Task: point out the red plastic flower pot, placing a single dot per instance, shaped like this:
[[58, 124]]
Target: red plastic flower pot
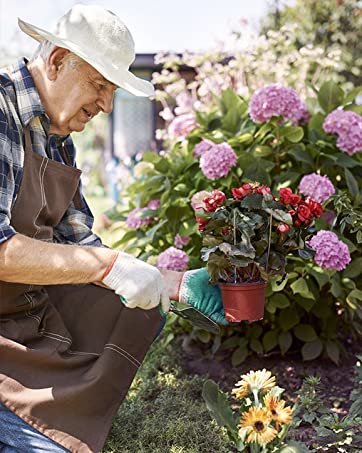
[[243, 301]]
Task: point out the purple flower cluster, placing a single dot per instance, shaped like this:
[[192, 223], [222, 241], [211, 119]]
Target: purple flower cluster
[[276, 100], [348, 126], [182, 125], [181, 241], [135, 218], [173, 259], [202, 147], [315, 186], [331, 253], [218, 161]]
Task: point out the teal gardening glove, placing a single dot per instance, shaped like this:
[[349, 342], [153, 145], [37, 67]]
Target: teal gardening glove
[[196, 291]]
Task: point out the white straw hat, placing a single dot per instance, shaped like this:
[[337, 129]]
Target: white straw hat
[[100, 38]]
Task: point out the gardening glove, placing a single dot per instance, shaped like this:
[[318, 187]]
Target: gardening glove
[[137, 283], [196, 291]]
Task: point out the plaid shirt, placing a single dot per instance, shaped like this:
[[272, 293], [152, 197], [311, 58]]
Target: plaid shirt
[[17, 86]]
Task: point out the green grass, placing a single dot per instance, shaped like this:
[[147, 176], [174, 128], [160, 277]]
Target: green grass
[[164, 411]]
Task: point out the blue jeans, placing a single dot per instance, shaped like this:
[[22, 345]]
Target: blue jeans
[[16, 436]]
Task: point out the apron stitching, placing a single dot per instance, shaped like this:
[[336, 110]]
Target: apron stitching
[[60, 337], [123, 350], [29, 314], [42, 191], [53, 338], [81, 352], [124, 355]]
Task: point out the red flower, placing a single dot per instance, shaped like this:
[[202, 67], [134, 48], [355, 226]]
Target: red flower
[[315, 207], [201, 221], [304, 213], [263, 190], [243, 191], [215, 201], [283, 228], [288, 197]]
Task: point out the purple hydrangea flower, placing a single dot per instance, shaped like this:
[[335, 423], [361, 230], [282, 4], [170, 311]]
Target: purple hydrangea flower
[[348, 126], [173, 259], [331, 253], [202, 147], [154, 204], [276, 100], [182, 125], [317, 187], [181, 241], [134, 219], [218, 161]]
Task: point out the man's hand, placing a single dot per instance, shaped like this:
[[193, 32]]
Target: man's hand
[[140, 284], [195, 290]]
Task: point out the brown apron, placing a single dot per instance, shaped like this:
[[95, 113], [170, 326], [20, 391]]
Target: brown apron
[[68, 353]]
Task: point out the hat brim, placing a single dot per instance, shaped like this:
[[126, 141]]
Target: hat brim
[[120, 77]]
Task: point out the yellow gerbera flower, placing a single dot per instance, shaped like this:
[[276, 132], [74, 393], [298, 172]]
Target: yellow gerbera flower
[[254, 380], [255, 425], [279, 413]]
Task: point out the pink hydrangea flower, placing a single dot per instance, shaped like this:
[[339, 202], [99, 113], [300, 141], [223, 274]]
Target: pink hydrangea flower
[[331, 253], [134, 219], [181, 241], [315, 186], [154, 204], [218, 161], [276, 100], [197, 199], [202, 147], [173, 259], [182, 125], [348, 126]]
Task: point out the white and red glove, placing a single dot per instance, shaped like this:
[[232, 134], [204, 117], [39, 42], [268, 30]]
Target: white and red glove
[[140, 284]]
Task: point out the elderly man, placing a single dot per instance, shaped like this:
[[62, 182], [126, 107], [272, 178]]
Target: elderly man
[[76, 318]]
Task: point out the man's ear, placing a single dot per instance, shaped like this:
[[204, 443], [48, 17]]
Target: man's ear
[[54, 62]]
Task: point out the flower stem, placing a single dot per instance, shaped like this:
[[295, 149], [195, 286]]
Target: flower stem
[[269, 242], [235, 244]]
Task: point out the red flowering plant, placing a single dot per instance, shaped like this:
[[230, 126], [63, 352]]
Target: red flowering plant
[[246, 238]]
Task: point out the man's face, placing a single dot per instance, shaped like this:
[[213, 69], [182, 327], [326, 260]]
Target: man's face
[[76, 95]]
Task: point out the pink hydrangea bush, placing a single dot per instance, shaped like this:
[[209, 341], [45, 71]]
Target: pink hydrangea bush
[[276, 100], [331, 253], [347, 125], [173, 259], [181, 126], [217, 162], [318, 187]]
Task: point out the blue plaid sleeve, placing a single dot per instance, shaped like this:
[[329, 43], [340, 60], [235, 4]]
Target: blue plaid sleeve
[[76, 226], [7, 183]]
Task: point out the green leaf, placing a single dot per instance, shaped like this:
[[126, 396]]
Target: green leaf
[[293, 134], [270, 340], [256, 346], [351, 96], [330, 96], [293, 447], [280, 301], [239, 356], [285, 341], [352, 184], [218, 405], [354, 269], [333, 351], [305, 332], [312, 349], [288, 318], [300, 286], [280, 215], [300, 155]]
